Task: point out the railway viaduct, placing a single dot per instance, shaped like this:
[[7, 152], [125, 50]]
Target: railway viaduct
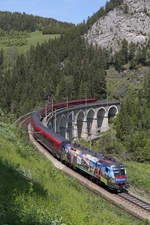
[[83, 121]]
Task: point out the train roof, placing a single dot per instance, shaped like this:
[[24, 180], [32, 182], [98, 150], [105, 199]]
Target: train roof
[[99, 158], [55, 137], [58, 139]]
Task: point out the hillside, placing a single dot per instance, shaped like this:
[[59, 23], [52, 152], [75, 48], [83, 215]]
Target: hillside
[[33, 191], [59, 68], [120, 84], [25, 22], [17, 42], [20, 31], [129, 21]]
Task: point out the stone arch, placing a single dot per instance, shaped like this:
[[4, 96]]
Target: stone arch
[[112, 112], [100, 118], [70, 126], [62, 125], [90, 118], [79, 120]]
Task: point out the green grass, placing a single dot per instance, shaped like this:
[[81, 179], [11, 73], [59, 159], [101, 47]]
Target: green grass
[[139, 177], [30, 39], [33, 191], [37, 37], [118, 84]]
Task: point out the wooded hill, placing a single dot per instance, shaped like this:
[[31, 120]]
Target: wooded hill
[[59, 68], [24, 22]]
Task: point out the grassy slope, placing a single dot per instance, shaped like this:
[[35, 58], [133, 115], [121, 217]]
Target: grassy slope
[[33, 39], [139, 177], [127, 81], [37, 37], [32, 191]]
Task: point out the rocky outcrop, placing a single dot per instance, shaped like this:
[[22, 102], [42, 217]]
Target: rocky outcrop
[[130, 21]]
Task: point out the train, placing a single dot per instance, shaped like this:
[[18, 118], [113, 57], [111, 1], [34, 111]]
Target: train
[[108, 172]]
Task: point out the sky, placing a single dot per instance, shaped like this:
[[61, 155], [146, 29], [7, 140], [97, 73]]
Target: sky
[[74, 11]]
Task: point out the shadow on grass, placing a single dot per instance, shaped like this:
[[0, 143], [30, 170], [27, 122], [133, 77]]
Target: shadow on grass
[[12, 185]]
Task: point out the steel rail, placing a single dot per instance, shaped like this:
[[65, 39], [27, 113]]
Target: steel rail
[[136, 200]]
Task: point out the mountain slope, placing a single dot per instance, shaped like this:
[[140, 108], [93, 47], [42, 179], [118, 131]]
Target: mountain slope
[[25, 22], [33, 191], [129, 21]]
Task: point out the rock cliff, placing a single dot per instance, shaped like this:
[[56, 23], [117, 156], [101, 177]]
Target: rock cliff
[[130, 21]]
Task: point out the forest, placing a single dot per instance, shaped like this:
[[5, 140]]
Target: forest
[[60, 68], [24, 22]]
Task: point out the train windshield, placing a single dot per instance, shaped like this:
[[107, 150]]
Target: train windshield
[[119, 172]]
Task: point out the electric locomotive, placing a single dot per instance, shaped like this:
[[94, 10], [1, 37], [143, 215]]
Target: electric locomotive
[[108, 172]]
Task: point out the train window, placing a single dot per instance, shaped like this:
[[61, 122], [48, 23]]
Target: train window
[[119, 172], [107, 169]]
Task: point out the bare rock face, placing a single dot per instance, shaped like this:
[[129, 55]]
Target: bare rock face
[[130, 21]]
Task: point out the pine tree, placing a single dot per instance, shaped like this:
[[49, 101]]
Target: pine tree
[[1, 57], [124, 52], [132, 50]]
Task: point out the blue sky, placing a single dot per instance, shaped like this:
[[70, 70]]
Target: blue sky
[[74, 11]]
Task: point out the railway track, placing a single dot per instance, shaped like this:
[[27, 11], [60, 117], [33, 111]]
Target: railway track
[[23, 122], [136, 200], [134, 205]]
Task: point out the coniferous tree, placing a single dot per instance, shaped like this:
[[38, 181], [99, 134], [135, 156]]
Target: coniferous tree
[[124, 51], [1, 57], [132, 51]]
